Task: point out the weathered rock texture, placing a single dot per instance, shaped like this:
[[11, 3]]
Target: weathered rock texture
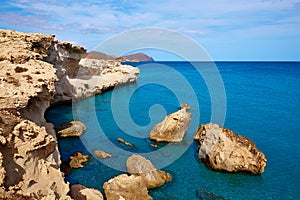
[[96, 76], [76, 160], [80, 192], [124, 187], [172, 128], [223, 150], [102, 154], [140, 166], [30, 167], [71, 129]]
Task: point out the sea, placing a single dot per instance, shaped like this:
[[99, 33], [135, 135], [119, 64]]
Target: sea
[[259, 100]]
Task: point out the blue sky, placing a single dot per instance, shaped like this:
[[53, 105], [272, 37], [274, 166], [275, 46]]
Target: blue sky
[[227, 29]]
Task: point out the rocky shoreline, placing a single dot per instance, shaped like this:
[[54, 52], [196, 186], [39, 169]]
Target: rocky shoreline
[[36, 72]]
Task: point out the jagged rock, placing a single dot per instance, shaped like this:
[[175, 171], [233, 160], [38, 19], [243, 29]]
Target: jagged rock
[[101, 154], [172, 128], [76, 160], [124, 187], [124, 142], [223, 150], [80, 192], [186, 106], [140, 166], [96, 76], [71, 129], [205, 195]]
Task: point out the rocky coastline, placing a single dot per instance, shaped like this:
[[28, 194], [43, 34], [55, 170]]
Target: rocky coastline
[[36, 71]]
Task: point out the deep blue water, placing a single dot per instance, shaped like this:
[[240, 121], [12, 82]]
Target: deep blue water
[[262, 103]]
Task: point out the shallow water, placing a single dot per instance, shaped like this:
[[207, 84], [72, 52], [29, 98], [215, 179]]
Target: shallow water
[[262, 103]]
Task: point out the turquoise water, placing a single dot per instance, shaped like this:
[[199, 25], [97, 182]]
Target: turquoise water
[[262, 103]]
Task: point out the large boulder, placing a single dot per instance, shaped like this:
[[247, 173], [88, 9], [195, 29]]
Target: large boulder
[[124, 187], [80, 192], [140, 166], [172, 128], [223, 150], [71, 129]]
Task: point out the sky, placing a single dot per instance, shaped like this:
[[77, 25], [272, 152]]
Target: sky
[[228, 30]]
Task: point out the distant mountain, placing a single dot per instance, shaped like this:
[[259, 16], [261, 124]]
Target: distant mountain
[[98, 55], [136, 57]]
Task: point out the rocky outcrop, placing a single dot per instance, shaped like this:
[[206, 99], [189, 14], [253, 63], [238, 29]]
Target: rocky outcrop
[[172, 128], [80, 192], [71, 129], [28, 144], [76, 160], [124, 187], [140, 166], [223, 150], [101, 154], [96, 76]]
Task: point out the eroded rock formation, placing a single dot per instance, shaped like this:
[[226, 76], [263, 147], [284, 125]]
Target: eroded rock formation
[[140, 166], [124, 187], [80, 192], [76, 160], [71, 129], [172, 128], [96, 76], [102, 154], [223, 150]]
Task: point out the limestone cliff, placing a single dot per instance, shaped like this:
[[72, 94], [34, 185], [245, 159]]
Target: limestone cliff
[[31, 161]]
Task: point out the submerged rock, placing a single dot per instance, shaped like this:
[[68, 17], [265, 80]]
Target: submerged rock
[[71, 129], [80, 192], [101, 154], [124, 142], [223, 150], [205, 195], [172, 128], [124, 187], [140, 166], [76, 160]]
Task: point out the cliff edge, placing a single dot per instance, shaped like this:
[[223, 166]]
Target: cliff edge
[[37, 71]]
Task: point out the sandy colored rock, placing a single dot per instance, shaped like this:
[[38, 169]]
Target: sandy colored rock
[[223, 150], [101, 154], [172, 128], [140, 166], [71, 129], [96, 76], [76, 160], [124, 142], [80, 192], [124, 187]]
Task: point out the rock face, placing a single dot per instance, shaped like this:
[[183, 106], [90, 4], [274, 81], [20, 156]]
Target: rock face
[[36, 70], [28, 146], [140, 166], [124, 187], [77, 159], [172, 128], [71, 129], [80, 192], [96, 76], [223, 150]]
